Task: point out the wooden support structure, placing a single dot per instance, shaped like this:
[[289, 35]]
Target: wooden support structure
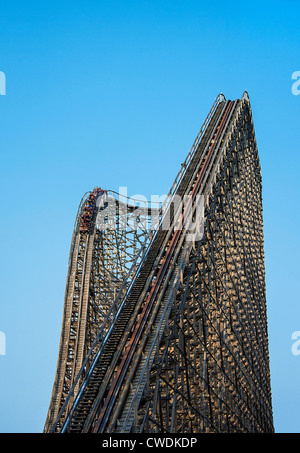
[[161, 332]]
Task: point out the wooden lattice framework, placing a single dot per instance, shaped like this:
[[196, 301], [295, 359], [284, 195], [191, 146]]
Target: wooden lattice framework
[[177, 326]]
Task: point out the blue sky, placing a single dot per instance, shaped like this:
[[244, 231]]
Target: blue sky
[[113, 94]]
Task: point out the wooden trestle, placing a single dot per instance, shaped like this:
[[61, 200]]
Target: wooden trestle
[[163, 333]]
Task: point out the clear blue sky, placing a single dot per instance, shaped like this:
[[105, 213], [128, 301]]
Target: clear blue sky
[[113, 93]]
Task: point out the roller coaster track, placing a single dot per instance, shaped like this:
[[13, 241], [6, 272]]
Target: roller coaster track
[[123, 360]]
